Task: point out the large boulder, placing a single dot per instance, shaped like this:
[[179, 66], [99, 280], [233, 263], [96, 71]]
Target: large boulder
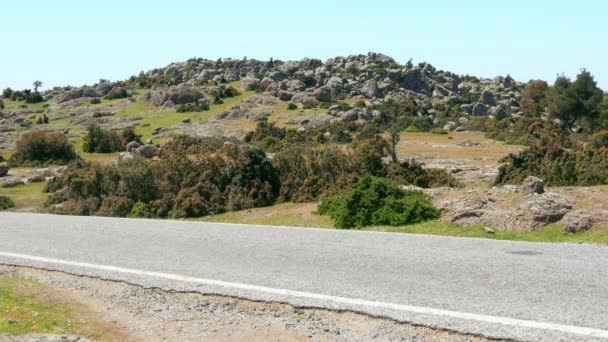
[[250, 83], [305, 99], [370, 89], [132, 146], [11, 182], [534, 212], [532, 185], [146, 151], [323, 94], [479, 109], [4, 170], [582, 220]]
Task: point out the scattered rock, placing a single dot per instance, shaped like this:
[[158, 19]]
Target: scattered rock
[[581, 220], [532, 185], [488, 230], [11, 182], [132, 146], [186, 120], [146, 151], [469, 143]]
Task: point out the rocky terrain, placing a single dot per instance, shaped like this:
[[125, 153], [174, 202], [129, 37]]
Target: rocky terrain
[[322, 91]]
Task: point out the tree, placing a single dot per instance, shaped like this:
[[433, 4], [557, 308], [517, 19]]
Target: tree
[[534, 97], [575, 102], [393, 121], [37, 84]]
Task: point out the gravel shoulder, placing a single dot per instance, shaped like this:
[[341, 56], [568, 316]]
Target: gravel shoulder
[[136, 313]]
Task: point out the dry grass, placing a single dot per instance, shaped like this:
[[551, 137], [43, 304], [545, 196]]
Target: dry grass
[[445, 147], [27, 307]]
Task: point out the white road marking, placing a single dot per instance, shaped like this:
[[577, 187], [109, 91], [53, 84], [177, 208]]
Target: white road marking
[[591, 332]]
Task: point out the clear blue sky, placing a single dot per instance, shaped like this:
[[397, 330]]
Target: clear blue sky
[[77, 42]]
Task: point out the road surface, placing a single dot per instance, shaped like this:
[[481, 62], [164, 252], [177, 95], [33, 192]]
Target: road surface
[[502, 289]]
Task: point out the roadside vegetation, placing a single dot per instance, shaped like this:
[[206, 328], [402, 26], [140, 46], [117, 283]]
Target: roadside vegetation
[[27, 307]]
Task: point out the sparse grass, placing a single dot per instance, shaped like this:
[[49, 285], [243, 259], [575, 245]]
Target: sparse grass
[[28, 197], [284, 214], [27, 307], [445, 146]]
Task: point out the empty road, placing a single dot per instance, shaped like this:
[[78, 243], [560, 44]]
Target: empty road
[[502, 289]]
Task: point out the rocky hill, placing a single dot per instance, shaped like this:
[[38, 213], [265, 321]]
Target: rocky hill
[[322, 91]]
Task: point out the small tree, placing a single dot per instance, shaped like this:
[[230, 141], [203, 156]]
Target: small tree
[[37, 84], [574, 102]]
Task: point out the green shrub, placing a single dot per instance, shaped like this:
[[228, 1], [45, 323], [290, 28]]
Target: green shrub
[[6, 203], [40, 148], [438, 130], [412, 129], [377, 201], [100, 140], [117, 92], [292, 106], [410, 172]]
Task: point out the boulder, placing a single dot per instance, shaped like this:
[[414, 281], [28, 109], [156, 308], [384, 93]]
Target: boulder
[[284, 95], [305, 100], [11, 182], [4, 169], [479, 109], [323, 94], [250, 83], [132, 146], [532, 185], [487, 98], [582, 220], [146, 151], [186, 120], [370, 89]]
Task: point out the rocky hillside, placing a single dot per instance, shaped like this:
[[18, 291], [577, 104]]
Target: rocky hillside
[[322, 91]]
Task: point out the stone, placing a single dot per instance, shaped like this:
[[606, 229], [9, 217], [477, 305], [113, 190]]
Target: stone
[[186, 120], [581, 220], [4, 169], [125, 156], [370, 89], [487, 98], [468, 143], [488, 230], [532, 185], [132, 146], [323, 94], [479, 109], [250, 83], [36, 179], [284, 95], [11, 182], [146, 151]]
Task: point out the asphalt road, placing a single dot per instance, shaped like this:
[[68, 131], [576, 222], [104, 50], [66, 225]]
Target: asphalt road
[[502, 289]]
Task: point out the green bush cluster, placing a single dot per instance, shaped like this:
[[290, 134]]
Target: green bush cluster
[[377, 201], [232, 177], [101, 140], [6, 203], [40, 148]]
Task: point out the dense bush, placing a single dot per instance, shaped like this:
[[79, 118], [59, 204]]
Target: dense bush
[[377, 201], [117, 92], [39, 147], [559, 162], [101, 140], [230, 177], [413, 173], [6, 203]]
